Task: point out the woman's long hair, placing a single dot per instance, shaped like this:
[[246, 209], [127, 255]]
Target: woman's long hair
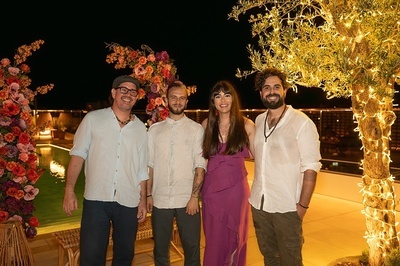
[[237, 136]]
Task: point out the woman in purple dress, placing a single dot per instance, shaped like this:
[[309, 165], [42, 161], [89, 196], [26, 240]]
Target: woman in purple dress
[[228, 141]]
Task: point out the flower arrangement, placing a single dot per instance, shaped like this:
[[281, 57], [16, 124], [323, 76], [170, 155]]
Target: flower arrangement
[[18, 167], [154, 70]]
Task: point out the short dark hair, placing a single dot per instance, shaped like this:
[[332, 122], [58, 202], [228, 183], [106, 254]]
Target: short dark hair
[[269, 72]]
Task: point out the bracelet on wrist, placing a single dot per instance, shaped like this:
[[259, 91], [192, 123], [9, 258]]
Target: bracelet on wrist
[[196, 197], [303, 206], [148, 196]]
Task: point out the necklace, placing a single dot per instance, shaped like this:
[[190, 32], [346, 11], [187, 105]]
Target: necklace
[[273, 129], [223, 131], [124, 122]]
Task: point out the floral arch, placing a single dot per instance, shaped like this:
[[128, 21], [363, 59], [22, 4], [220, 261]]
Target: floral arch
[[154, 70]]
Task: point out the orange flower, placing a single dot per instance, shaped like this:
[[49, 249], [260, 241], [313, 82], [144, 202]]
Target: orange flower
[[9, 137], [154, 70], [18, 169], [142, 60]]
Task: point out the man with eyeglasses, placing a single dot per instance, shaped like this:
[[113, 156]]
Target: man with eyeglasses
[[287, 160], [112, 142], [125, 90]]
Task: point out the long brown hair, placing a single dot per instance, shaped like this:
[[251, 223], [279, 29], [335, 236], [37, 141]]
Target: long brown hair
[[237, 136]]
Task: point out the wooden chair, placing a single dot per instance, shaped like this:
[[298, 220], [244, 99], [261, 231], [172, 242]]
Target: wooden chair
[[68, 240], [14, 247]]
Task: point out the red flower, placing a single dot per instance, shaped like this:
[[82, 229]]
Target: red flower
[[11, 107], [16, 131], [12, 80], [33, 176], [24, 138], [34, 222], [18, 169], [3, 216]]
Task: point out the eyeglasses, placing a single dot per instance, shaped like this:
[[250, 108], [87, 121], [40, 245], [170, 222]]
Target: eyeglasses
[[125, 90]]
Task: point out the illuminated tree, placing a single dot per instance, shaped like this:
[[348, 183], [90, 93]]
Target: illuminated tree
[[349, 48]]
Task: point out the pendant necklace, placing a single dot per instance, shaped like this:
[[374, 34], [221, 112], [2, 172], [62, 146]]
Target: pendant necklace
[[223, 131], [124, 123], [265, 124]]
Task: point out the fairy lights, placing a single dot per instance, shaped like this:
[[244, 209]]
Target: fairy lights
[[349, 49]]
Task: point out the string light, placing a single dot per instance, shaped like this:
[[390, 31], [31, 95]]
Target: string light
[[349, 49]]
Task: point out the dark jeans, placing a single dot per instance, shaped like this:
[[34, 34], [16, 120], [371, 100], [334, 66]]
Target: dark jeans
[[97, 218], [279, 237], [189, 232]]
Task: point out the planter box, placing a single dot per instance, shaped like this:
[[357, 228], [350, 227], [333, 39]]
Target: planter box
[[57, 134]]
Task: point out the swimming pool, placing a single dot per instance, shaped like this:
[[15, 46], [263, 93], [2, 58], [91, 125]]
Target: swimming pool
[[51, 184]]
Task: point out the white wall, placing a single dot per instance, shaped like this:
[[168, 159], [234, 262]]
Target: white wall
[[345, 187], [336, 185]]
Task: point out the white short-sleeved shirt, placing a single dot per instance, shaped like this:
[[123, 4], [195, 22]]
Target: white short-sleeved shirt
[[280, 161], [116, 158], [175, 151]]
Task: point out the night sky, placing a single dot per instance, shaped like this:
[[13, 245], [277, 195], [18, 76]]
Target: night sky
[[205, 45]]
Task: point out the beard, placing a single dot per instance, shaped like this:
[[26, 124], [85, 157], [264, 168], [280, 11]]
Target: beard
[[176, 111], [273, 105]]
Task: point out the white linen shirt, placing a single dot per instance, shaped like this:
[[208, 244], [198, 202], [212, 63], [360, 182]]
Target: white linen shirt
[[175, 151], [280, 161], [116, 158]]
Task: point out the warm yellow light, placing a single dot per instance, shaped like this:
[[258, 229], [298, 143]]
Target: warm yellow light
[[352, 53]]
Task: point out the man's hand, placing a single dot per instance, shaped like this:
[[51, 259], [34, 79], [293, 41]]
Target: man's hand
[[149, 204], [142, 211], [70, 202], [192, 206]]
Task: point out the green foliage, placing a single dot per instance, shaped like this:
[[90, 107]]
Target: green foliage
[[393, 259], [364, 258], [330, 44]]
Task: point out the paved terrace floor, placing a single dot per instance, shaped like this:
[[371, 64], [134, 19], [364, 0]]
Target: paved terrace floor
[[333, 228]]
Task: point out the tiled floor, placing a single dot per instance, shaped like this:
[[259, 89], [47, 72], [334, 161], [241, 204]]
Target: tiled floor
[[333, 228]]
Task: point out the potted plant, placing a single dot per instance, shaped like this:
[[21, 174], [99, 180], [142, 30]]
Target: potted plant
[[60, 128]]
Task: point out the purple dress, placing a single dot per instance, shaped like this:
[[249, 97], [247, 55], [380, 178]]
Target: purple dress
[[225, 209]]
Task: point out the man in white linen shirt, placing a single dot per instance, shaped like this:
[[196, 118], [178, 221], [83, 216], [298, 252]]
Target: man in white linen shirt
[[287, 160], [113, 144], [176, 174]]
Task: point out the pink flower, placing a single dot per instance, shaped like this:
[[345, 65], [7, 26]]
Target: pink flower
[[18, 169], [140, 70], [151, 58], [20, 179], [5, 62], [23, 157], [16, 218], [155, 71], [30, 192], [154, 87], [13, 70], [159, 101]]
